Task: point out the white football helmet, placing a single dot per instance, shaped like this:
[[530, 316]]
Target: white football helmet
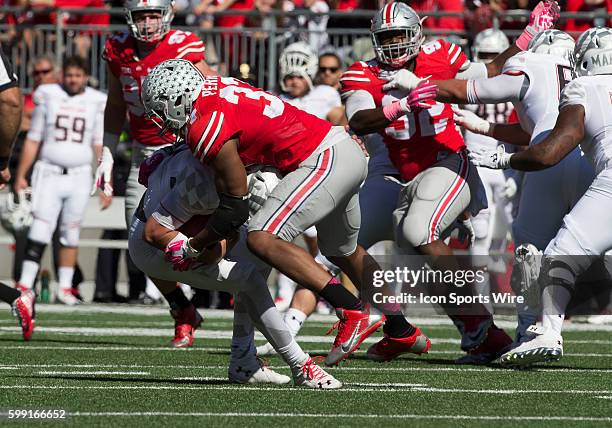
[[298, 59], [594, 52], [16, 212], [397, 18], [553, 42], [261, 183], [168, 93], [165, 7], [489, 41]]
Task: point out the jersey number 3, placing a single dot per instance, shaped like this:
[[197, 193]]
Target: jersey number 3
[[273, 106]]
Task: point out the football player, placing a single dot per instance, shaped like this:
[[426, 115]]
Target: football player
[[130, 55], [526, 81], [65, 132], [585, 113], [181, 196], [22, 306], [229, 124], [384, 96], [10, 111]]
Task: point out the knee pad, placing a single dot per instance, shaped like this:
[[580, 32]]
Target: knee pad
[[34, 251], [69, 234], [556, 271], [41, 231]]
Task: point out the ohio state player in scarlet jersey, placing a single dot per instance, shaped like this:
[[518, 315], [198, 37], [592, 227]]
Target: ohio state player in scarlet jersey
[[229, 125], [390, 95], [130, 55]]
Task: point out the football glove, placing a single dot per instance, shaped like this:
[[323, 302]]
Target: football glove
[[471, 121], [494, 159], [104, 173], [543, 17]]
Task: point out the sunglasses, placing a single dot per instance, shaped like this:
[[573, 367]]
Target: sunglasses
[[330, 69], [43, 71]]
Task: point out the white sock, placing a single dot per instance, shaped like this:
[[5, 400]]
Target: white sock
[[286, 287], [152, 291], [554, 301], [65, 274], [294, 318], [292, 354], [29, 270]]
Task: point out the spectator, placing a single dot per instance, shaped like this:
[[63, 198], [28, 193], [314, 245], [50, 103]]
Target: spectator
[[577, 26], [442, 22], [330, 70], [316, 36]]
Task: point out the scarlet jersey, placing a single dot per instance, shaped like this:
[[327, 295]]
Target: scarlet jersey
[[120, 53], [271, 132], [415, 139]]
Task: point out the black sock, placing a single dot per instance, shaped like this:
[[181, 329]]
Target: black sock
[[8, 294], [339, 297], [397, 326], [177, 299]]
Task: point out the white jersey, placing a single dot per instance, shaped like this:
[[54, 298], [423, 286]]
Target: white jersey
[[180, 188], [319, 101], [539, 106], [68, 126], [533, 83], [493, 113], [594, 93]]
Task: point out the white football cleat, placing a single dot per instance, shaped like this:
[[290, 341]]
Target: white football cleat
[[67, 297], [254, 371], [310, 375], [545, 347], [265, 350]]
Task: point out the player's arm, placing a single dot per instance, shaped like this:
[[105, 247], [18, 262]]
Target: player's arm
[[508, 133], [365, 118], [502, 88], [233, 210], [336, 116], [565, 137], [10, 112]]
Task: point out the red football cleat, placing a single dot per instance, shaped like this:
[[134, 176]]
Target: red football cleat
[[186, 321], [495, 344], [23, 309], [389, 348], [353, 328]]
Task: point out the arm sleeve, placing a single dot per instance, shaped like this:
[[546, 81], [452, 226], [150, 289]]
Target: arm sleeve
[[472, 70], [496, 89], [573, 94], [356, 101], [37, 125]]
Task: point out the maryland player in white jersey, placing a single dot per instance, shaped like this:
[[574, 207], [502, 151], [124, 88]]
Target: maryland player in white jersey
[[129, 56], [532, 81], [585, 119], [181, 196], [66, 130]]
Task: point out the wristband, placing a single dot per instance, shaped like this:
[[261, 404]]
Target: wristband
[[393, 111]]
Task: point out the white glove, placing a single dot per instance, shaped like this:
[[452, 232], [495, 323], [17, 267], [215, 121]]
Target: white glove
[[471, 121], [494, 159], [510, 188], [104, 173], [402, 79]]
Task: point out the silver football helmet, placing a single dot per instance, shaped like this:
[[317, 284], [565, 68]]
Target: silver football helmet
[[168, 93], [489, 41], [396, 18], [16, 211], [298, 59], [144, 34], [553, 42], [594, 52]]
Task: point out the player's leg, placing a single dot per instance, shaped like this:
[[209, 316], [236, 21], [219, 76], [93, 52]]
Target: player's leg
[[22, 305], [427, 207], [77, 189], [46, 207], [583, 238]]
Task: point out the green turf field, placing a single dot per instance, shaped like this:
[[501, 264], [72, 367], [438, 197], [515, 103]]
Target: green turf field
[[116, 369]]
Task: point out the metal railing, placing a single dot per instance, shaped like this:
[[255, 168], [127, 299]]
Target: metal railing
[[226, 47]]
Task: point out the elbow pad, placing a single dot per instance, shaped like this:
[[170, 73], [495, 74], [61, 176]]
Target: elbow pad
[[232, 212]]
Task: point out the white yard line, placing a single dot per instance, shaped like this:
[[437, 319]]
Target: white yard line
[[344, 368], [347, 416], [91, 373]]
